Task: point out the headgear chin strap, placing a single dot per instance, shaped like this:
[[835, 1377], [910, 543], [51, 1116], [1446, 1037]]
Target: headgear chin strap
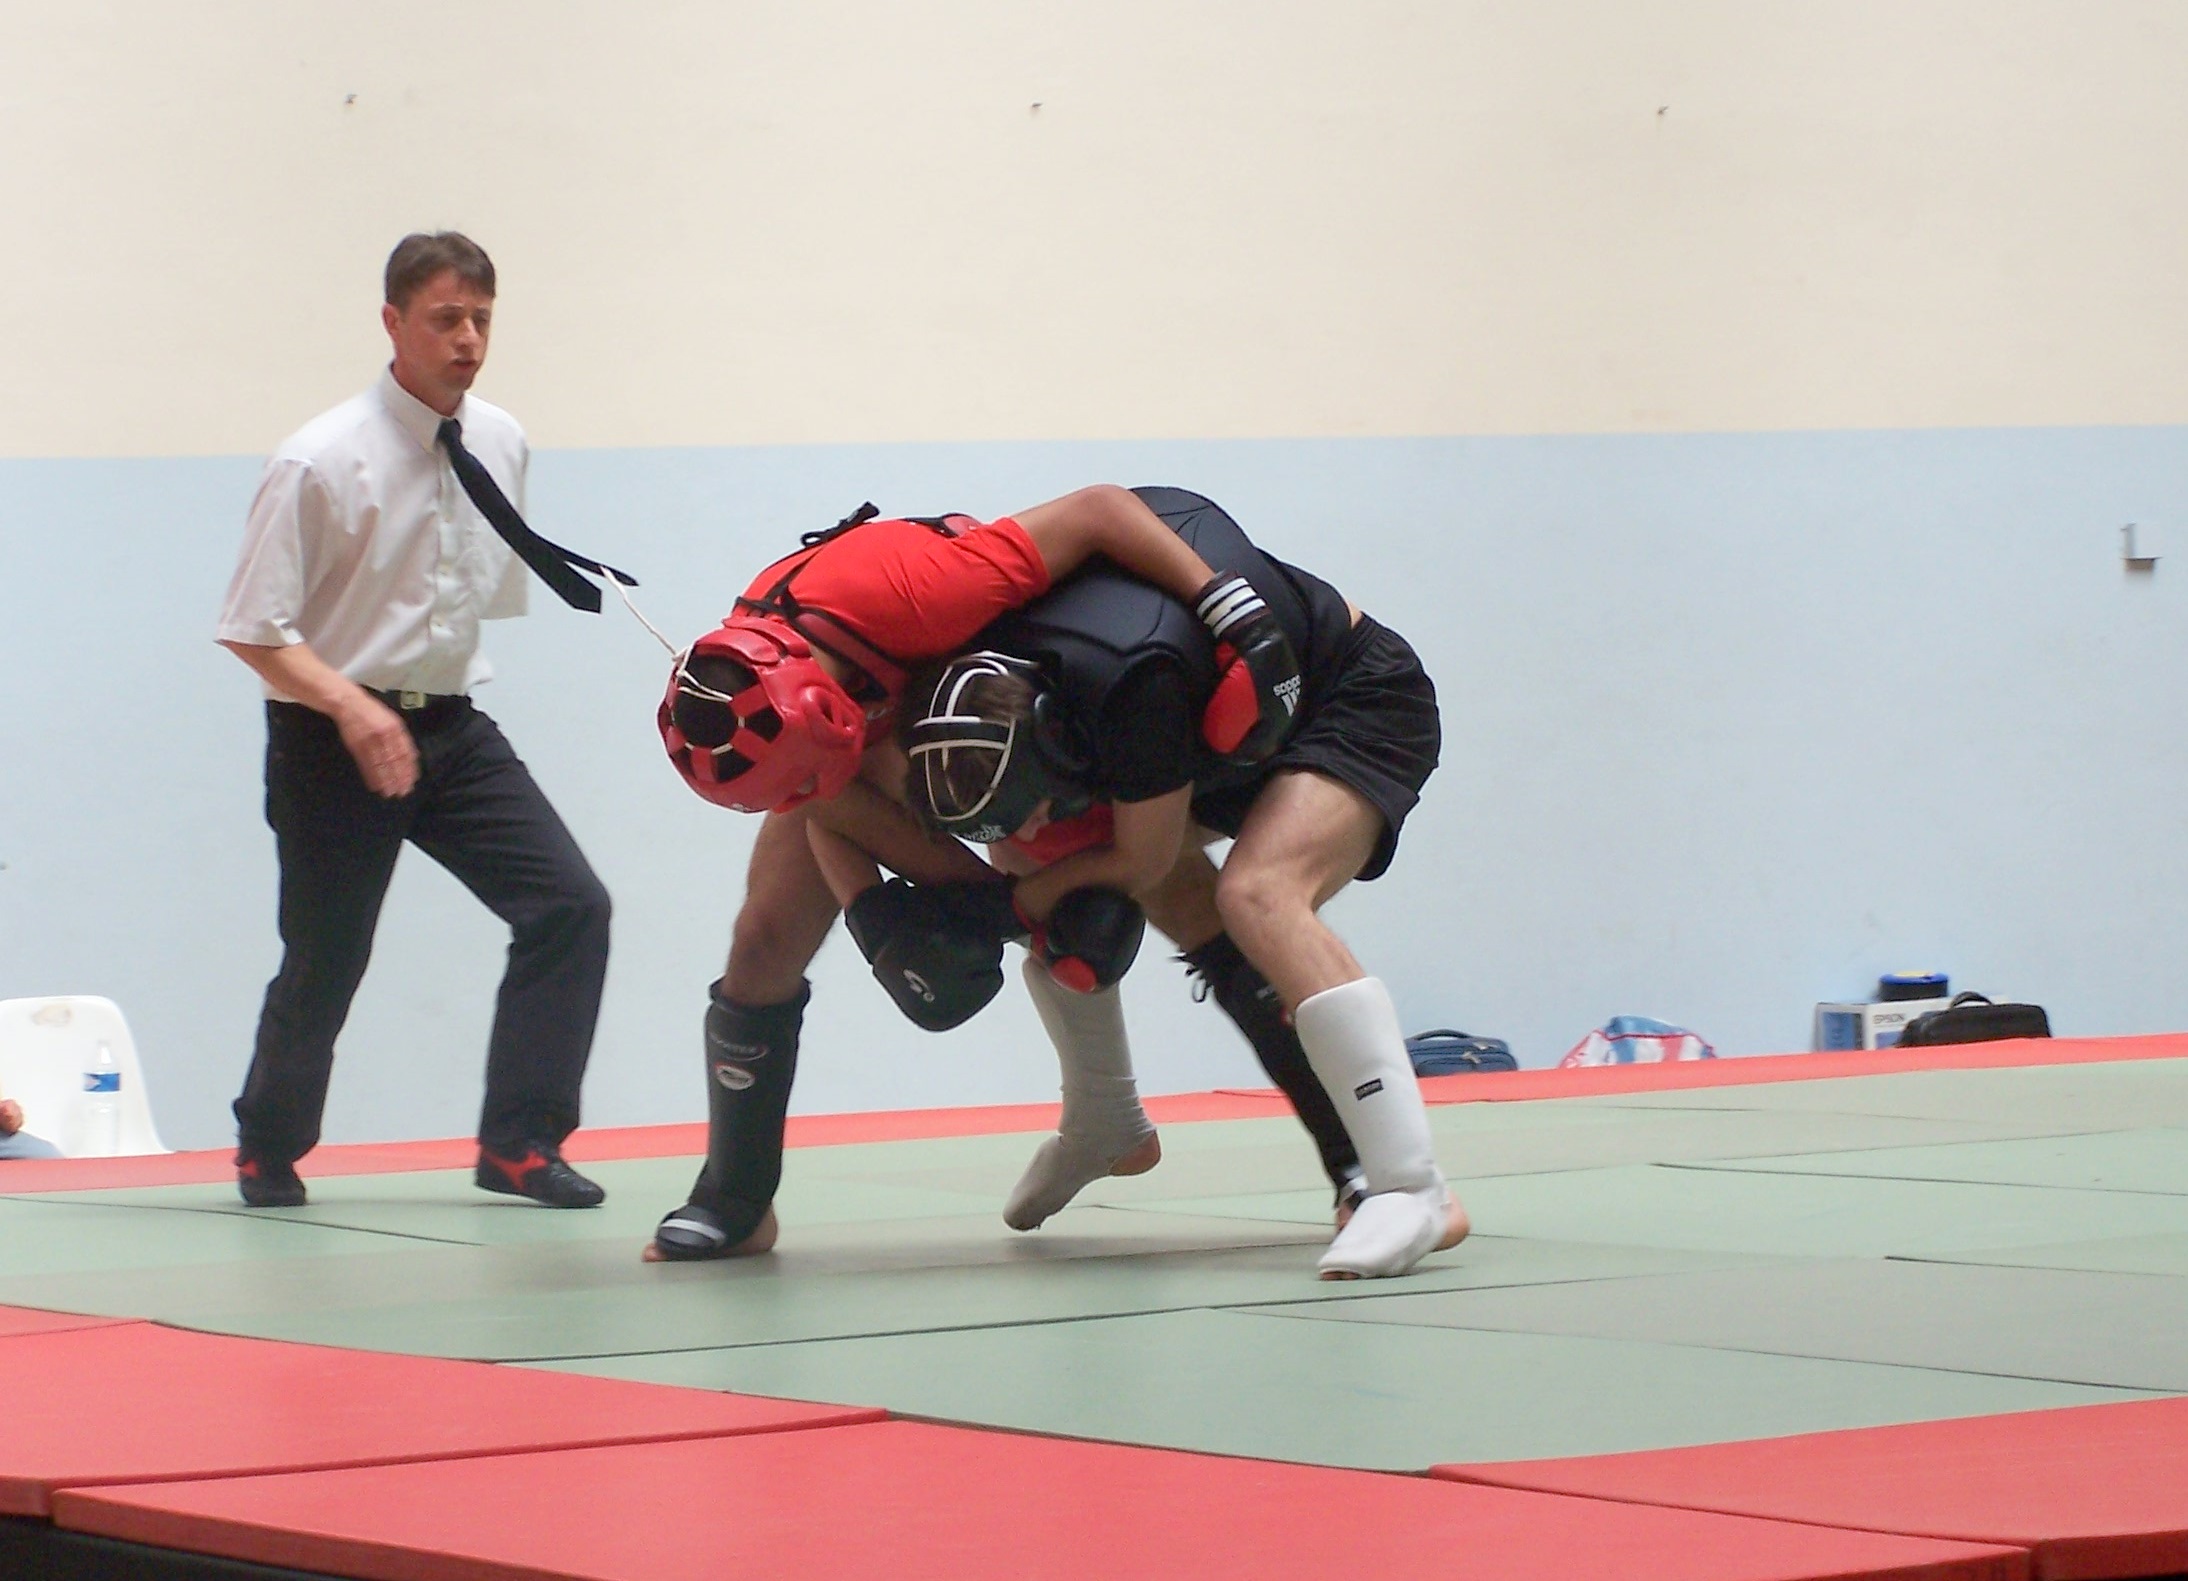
[[794, 732], [1021, 761]]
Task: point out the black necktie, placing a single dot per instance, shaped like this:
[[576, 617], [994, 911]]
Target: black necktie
[[550, 560]]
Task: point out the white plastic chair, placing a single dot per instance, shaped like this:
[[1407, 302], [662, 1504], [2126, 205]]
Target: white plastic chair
[[46, 1045]]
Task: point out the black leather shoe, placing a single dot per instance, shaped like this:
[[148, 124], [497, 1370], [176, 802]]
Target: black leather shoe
[[264, 1185], [539, 1173]]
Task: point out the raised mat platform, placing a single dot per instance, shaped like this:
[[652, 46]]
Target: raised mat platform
[[1679, 1274]]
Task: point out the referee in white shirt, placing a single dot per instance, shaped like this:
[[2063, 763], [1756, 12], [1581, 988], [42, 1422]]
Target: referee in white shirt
[[365, 572]]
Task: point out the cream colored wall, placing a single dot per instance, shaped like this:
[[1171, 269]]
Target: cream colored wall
[[734, 223]]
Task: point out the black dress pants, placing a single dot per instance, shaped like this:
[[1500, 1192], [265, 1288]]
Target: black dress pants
[[476, 811]]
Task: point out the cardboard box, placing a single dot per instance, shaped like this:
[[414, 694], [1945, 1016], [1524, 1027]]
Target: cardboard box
[[1868, 1026]]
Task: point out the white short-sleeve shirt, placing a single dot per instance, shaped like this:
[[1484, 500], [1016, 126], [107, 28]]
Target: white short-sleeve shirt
[[362, 543]]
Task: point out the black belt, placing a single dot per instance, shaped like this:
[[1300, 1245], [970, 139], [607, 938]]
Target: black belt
[[423, 707]]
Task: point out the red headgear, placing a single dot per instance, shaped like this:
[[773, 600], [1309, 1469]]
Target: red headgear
[[819, 731]]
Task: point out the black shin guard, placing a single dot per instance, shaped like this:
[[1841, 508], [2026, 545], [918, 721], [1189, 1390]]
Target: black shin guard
[[1251, 1002], [752, 1059]]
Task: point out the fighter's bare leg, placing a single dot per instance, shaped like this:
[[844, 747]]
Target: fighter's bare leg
[[785, 918], [1305, 838], [1183, 907], [752, 1043]]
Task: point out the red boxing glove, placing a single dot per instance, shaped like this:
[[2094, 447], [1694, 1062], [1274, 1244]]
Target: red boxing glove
[[1246, 629], [1234, 708]]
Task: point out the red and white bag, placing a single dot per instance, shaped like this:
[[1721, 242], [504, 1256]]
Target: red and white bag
[[1636, 1040]]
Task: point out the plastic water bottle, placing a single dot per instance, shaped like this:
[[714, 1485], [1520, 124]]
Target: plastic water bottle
[[102, 1103]]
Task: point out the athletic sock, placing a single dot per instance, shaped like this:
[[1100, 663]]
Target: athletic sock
[[1102, 1119]]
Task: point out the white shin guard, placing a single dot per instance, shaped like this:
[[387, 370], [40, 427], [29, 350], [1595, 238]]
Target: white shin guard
[[1353, 1041], [1102, 1119]]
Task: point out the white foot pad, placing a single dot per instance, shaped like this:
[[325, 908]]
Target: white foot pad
[[1391, 1231]]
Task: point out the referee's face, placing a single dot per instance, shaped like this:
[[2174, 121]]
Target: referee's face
[[439, 337]]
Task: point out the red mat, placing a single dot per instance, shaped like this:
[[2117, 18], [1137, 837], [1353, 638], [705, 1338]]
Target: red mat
[[908, 1501], [2093, 1490], [26, 1176], [137, 1402], [30, 1320]]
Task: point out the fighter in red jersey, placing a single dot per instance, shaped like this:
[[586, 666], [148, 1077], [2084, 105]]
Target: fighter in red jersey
[[783, 702]]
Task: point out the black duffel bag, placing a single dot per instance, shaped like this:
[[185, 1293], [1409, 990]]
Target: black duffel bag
[[1971, 1018]]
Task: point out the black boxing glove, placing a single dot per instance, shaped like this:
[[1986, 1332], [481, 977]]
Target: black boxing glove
[[982, 908], [976, 909], [939, 970], [1259, 661], [1090, 939]]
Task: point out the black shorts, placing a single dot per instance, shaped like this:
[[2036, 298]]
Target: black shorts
[[1373, 727]]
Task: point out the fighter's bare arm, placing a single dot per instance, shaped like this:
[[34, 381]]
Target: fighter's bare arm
[[1149, 838], [858, 833], [1108, 520]]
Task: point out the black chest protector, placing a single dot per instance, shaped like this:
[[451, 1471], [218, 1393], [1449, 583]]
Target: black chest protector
[[1099, 626]]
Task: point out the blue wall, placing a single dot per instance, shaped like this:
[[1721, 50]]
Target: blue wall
[[1733, 722]]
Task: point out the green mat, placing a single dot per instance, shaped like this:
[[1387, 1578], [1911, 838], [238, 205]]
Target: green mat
[[2148, 1161], [1807, 1215], [2122, 1329], [2043, 1099], [1344, 1394], [1612, 1136]]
